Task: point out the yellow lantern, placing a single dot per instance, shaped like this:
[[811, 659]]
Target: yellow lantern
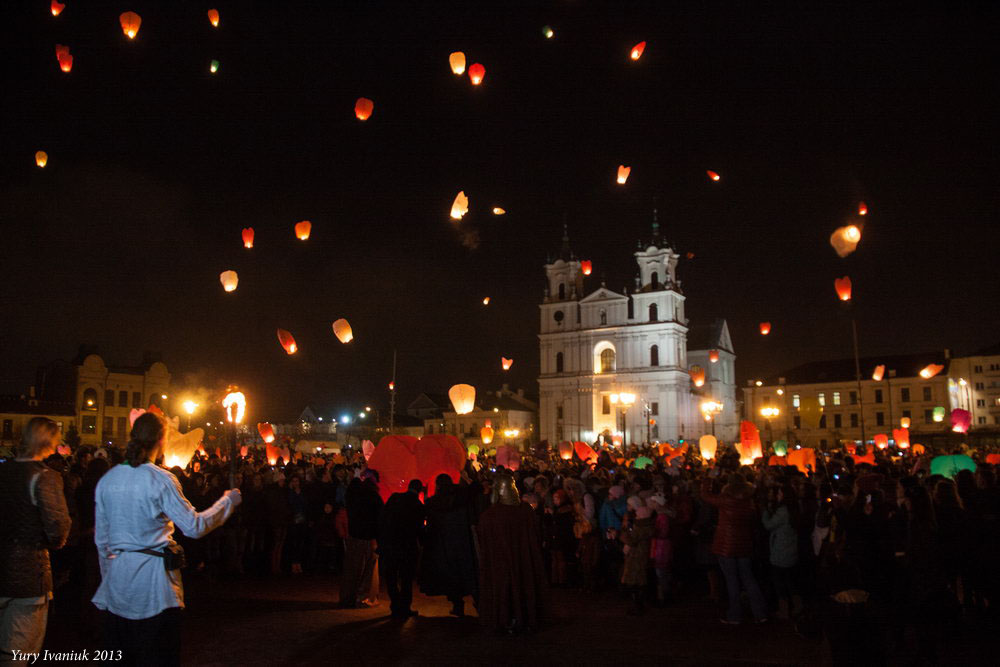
[[229, 280], [130, 24], [463, 398], [460, 206], [342, 330], [498, 211], [457, 62], [41, 159], [303, 230], [905, 422], [623, 173], [708, 446], [845, 239], [178, 448]]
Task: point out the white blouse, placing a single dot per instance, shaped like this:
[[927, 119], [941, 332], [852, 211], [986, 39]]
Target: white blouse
[[137, 509]]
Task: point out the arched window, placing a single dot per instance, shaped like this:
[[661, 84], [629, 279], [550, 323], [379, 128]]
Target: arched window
[[89, 400], [604, 317], [653, 313], [654, 355], [559, 362], [654, 280], [562, 291], [608, 361]]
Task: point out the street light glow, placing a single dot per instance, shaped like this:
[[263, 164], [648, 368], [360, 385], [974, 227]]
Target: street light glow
[[189, 406]]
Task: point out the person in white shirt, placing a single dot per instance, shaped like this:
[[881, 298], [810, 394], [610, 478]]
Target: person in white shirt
[[138, 504]]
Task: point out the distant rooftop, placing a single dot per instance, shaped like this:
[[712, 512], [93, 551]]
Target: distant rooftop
[[843, 370]]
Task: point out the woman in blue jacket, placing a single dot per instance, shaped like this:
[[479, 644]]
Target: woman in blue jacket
[[780, 518]]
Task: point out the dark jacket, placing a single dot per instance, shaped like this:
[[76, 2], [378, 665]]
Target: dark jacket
[[30, 529], [737, 520], [401, 526], [363, 508], [448, 566]]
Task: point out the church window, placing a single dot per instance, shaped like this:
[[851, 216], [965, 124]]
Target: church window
[[558, 316], [559, 412], [604, 317], [654, 280], [654, 408], [605, 405], [608, 361], [89, 400], [559, 362], [654, 355], [653, 312], [562, 291]]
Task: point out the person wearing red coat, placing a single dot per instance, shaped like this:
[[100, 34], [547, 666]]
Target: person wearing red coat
[[733, 544]]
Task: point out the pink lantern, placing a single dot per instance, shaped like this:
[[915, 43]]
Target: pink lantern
[[961, 420], [585, 452], [508, 457], [368, 448]]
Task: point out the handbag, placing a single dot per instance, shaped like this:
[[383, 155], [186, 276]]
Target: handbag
[[172, 555]]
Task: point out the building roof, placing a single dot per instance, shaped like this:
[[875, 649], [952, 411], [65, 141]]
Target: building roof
[[23, 405], [708, 336], [843, 370]]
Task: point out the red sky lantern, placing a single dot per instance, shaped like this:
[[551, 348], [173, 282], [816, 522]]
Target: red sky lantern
[[248, 237], [713, 356], [130, 24], [878, 373], [862, 208], [476, 73], [587, 267], [41, 159], [930, 370], [843, 287], [698, 375], [623, 173], [363, 108], [961, 420], [881, 440], [902, 437], [506, 363], [765, 328], [266, 431], [57, 7], [637, 50], [714, 176], [287, 341], [303, 230], [213, 17], [64, 57]]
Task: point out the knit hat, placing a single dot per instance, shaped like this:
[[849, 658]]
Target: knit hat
[[616, 492]]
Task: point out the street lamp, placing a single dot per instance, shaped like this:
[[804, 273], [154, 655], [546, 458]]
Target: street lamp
[[626, 400], [769, 413], [709, 409], [189, 407]]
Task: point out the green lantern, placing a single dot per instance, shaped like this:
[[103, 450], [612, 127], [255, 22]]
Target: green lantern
[[939, 414], [214, 67], [642, 462], [780, 447], [548, 32], [473, 449]]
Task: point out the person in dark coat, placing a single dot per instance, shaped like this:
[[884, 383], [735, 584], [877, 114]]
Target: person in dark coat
[[449, 565], [401, 527], [363, 508], [511, 569]]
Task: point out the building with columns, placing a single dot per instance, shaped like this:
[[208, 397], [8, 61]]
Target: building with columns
[[601, 346]]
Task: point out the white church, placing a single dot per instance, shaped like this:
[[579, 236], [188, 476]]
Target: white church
[[627, 368]]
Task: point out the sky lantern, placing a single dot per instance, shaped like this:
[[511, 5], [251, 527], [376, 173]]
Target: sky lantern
[[179, 449], [229, 280], [548, 32], [486, 434], [565, 450], [130, 24], [698, 375], [623, 173], [587, 267], [878, 373], [457, 62], [343, 331], [486, 300], [506, 363], [843, 288], [714, 176], [881, 440], [213, 17], [463, 398], [476, 73], [713, 356], [248, 237], [905, 422], [41, 159], [303, 230], [57, 7], [64, 57], [460, 206], [498, 211], [765, 328], [707, 444], [845, 239], [938, 414], [287, 341], [363, 108], [930, 370], [862, 208], [750, 437], [213, 66], [266, 432], [961, 420], [637, 50], [902, 437], [780, 447]]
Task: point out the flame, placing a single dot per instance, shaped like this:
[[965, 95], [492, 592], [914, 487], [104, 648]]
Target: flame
[[239, 400]]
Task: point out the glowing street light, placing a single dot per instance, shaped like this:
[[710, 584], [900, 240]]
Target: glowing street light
[[709, 409]]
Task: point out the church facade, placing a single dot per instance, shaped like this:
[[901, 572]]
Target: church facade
[[627, 368]]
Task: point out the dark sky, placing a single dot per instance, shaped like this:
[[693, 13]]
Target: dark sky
[[803, 108]]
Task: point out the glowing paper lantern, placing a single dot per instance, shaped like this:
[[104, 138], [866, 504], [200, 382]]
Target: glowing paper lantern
[[776, 460], [843, 288], [765, 328], [712, 175], [342, 330], [303, 230], [698, 375], [809, 411], [498, 211], [363, 108], [878, 373], [881, 440], [134, 414], [902, 437], [63, 450], [287, 341], [804, 459], [585, 452], [460, 206], [930, 371], [918, 449], [637, 50], [961, 420], [248, 237], [905, 422], [508, 457], [178, 449], [949, 466], [993, 459], [565, 450], [286, 455], [473, 450], [396, 463], [457, 62], [548, 32], [862, 208], [642, 462], [463, 398], [367, 448], [244, 450], [213, 66], [587, 267], [64, 57], [939, 414], [845, 239], [750, 439], [780, 447], [476, 73], [57, 7], [708, 445], [213, 17], [486, 435], [506, 363], [713, 356], [130, 24], [229, 280], [486, 300], [41, 159], [623, 173]]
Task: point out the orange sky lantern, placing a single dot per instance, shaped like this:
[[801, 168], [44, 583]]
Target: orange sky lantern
[[463, 398], [498, 211], [707, 444], [457, 62], [506, 363], [878, 373], [303, 230], [57, 7], [248, 237], [130, 24], [714, 176], [929, 371], [229, 280], [713, 356], [476, 73], [862, 208], [587, 267], [342, 330], [845, 239], [565, 450], [765, 328], [213, 17], [460, 206], [64, 57], [266, 432], [41, 158], [881, 440], [486, 300], [637, 50], [287, 341], [486, 434], [623, 173], [363, 108], [843, 288], [902, 437], [698, 376], [905, 422]]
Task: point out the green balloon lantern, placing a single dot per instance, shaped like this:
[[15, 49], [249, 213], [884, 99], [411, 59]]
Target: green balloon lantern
[[780, 447]]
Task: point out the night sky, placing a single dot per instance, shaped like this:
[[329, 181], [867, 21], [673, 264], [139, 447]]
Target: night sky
[[803, 108]]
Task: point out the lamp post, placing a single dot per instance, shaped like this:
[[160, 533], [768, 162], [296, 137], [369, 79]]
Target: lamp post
[[709, 409], [189, 407], [769, 413], [235, 405], [626, 400]]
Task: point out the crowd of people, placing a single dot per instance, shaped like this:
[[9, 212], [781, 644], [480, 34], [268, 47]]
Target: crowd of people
[[885, 548]]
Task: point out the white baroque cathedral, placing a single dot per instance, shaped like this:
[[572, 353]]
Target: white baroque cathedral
[[598, 347]]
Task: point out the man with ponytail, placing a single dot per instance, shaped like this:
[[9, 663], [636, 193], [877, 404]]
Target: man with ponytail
[[138, 505]]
